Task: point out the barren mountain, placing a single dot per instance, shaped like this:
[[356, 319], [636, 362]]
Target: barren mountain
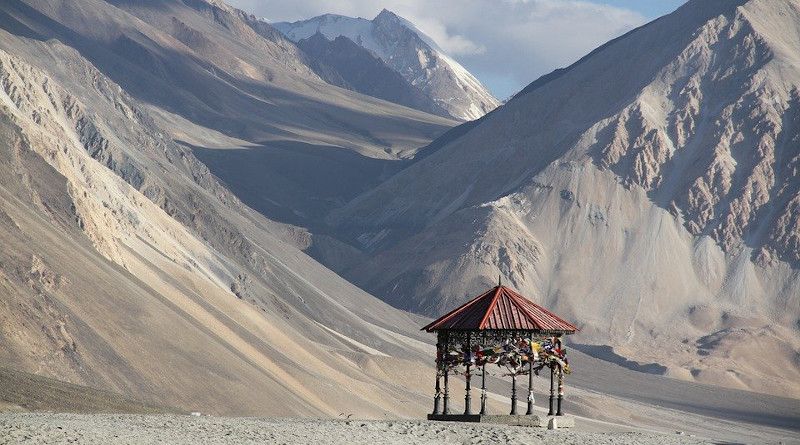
[[240, 95], [650, 191], [408, 51], [363, 72], [127, 266]]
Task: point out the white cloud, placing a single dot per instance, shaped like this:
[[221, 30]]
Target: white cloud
[[452, 44], [505, 43]]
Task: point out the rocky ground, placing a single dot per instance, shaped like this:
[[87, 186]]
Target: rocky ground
[[108, 429]]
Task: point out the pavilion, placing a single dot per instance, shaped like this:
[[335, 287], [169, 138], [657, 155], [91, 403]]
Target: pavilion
[[499, 327]]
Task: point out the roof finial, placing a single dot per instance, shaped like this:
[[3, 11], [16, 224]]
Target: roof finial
[[499, 280]]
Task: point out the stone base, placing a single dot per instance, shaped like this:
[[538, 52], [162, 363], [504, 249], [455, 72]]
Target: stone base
[[560, 421], [516, 420]]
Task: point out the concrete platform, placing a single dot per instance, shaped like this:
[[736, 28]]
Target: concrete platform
[[518, 420]]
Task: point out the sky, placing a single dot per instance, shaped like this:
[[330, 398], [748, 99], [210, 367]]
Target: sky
[[506, 44]]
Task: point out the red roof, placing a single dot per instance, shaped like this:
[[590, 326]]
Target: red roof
[[502, 308]]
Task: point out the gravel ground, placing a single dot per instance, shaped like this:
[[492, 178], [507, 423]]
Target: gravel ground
[[110, 429]]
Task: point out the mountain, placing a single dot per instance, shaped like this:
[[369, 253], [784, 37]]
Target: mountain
[[219, 81], [127, 265], [650, 191], [409, 52], [153, 156], [365, 73]]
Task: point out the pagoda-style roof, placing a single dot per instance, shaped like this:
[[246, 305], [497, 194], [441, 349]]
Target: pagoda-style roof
[[500, 308]]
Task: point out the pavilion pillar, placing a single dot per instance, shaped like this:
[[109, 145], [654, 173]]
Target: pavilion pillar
[[560, 347], [467, 376], [560, 391], [437, 398], [467, 398], [513, 395], [483, 390], [552, 391], [446, 394], [530, 386]]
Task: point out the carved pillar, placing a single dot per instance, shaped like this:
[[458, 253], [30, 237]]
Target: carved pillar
[[483, 390], [467, 355], [446, 394], [445, 348], [513, 395], [559, 347], [437, 398], [560, 391], [530, 386], [467, 398], [552, 391]]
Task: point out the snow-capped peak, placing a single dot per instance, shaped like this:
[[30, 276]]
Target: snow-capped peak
[[410, 52]]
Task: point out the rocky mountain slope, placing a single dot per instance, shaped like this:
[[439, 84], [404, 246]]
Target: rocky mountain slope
[[650, 192], [240, 95], [126, 265], [363, 72], [409, 52]]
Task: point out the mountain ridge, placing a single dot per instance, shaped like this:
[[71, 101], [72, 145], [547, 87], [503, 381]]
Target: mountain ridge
[[367, 74], [409, 52]]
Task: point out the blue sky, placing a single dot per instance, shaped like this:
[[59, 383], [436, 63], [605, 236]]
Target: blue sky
[[506, 44], [650, 9]]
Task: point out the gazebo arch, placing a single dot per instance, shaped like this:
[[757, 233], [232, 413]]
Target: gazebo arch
[[499, 327]]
